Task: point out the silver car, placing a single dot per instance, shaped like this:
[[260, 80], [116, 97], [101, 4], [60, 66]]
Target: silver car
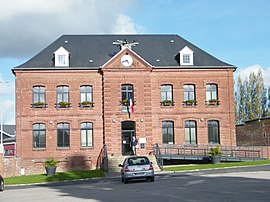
[[1, 183], [137, 167]]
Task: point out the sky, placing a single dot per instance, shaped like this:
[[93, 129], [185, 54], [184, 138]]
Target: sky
[[234, 31]]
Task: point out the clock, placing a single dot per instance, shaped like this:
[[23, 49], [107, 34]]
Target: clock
[[126, 60]]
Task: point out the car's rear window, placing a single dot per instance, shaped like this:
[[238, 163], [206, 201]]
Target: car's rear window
[[138, 161]]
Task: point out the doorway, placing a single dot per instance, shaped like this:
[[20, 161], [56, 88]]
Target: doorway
[[128, 130]]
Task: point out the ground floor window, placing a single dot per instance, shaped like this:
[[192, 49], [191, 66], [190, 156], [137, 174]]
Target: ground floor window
[[213, 132], [39, 135], [191, 132], [63, 135], [86, 134], [167, 132]]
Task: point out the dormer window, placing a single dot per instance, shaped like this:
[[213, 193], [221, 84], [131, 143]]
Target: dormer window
[[61, 57], [186, 56]]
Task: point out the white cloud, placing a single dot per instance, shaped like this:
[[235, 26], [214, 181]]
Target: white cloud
[[244, 73], [30, 25], [124, 24]]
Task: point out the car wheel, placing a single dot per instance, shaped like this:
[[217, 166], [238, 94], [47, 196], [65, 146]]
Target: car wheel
[[152, 179], [1, 185]]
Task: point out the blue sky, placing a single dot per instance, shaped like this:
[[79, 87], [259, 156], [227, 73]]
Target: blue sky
[[235, 31]]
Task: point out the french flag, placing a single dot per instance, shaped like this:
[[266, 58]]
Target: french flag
[[131, 106]]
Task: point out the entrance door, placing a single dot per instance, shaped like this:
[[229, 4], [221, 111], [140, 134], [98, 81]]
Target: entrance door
[[128, 130]]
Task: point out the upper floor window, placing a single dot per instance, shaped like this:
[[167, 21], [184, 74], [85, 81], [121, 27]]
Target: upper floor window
[[189, 94], [191, 132], [86, 99], [63, 135], [166, 95], [167, 132], [38, 96], [186, 56], [212, 94], [61, 57], [86, 134], [213, 132], [39, 135], [127, 93], [62, 96]]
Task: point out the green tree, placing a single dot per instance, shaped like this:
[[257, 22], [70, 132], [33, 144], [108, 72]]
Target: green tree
[[251, 98]]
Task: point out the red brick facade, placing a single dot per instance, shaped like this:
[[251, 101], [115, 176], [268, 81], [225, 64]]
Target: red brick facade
[[254, 133], [107, 115]]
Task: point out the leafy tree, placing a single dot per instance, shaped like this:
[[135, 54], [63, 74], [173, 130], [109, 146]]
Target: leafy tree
[[251, 98]]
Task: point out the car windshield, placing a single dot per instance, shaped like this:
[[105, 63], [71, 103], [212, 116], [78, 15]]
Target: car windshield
[[138, 161]]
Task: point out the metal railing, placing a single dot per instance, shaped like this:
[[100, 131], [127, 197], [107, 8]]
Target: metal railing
[[102, 161], [202, 150], [159, 158]]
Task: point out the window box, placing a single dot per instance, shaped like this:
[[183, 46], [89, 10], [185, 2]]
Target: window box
[[213, 102], [125, 102], [167, 103], [39, 105], [86, 104], [63, 105], [189, 102]]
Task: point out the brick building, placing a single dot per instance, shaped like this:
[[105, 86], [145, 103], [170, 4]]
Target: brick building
[[254, 132], [84, 91]]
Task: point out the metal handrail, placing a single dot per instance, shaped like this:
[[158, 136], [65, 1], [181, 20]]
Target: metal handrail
[[158, 156], [102, 161], [202, 150]]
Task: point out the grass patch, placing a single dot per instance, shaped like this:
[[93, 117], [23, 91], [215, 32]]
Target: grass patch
[[71, 175], [212, 166]]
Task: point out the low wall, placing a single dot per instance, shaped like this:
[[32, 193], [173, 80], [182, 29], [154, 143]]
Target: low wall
[[13, 166]]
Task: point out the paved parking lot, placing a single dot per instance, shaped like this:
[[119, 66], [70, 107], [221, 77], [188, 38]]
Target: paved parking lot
[[241, 184]]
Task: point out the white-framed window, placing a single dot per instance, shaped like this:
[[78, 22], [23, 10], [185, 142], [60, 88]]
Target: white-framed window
[[61, 60], [61, 57], [87, 134], [186, 56]]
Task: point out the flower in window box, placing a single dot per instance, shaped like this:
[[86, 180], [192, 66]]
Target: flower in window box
[[213, 101], [87, 103], [63, 104], [125, 102], [189, 102], [167, 102], [39, 104]]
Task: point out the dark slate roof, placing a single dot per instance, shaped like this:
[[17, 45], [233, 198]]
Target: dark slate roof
[[99, 49]]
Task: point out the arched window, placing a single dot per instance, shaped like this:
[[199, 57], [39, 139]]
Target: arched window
[[39, 98], [213, 132], [166, 95], [39, 135], [63, 134], [87, 134], [189, 94], [127, 93], [86, 96], [191, 132], [211, 92], [167, 132], [62, 98]]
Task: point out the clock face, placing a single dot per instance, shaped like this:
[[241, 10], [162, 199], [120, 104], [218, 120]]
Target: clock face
[[126, 60]]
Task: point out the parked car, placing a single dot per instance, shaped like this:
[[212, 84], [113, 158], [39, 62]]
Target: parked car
[[137, 167], [1, 183]]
